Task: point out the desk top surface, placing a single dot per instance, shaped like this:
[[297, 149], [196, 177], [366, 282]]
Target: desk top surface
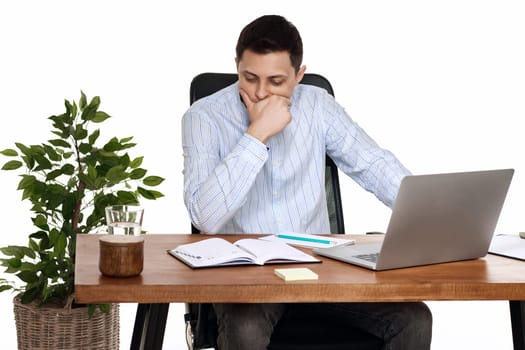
[[166, 279]]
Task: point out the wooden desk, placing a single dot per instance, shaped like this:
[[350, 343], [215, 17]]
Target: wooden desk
[[166, 280]]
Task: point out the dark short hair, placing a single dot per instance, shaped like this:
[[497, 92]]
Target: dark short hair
[[271, 33]]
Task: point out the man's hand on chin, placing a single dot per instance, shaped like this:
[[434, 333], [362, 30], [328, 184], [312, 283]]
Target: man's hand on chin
[[268, 116]]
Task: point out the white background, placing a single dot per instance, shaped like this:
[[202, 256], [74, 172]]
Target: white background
[[440, 83]]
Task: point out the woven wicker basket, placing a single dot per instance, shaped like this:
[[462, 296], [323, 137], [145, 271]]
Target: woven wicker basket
[[57, 328]]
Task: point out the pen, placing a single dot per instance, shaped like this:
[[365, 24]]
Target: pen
[[305, 239]]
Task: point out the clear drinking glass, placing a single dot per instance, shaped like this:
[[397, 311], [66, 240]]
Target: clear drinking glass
[[124, 219]]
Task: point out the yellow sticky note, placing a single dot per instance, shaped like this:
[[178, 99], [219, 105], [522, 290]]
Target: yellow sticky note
[[296, 274]]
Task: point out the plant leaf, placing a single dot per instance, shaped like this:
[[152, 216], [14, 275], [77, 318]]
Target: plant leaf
[[80, 132], [25, 150], [43, 162], [27, 276], [17, 251], [68, 169], [91, 309], [138, 173], [5, 287], [135, 163], [85, 148], [53, 174], [157, 194], [52, 154], [88, 113], [149, 194], [74, 110], [9, 152], [60, 246], [14, 263], [105, 308], [33, 245], [92, 172], [116, 174], [94, 136], [126, 139], [90, 184], [40, 221], [95, 103], [153, 180], [27, 181], [83, 101], [100, 117], [12, 165], [126, 197], [68, 108], [29, 295]]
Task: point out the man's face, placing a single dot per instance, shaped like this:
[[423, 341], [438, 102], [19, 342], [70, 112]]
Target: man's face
[[262, 75]]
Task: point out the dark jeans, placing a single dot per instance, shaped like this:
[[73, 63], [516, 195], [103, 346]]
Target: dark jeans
[[402, 326]]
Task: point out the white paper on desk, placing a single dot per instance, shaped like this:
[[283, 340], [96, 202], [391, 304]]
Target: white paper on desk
[[511, 246], [303, 240]]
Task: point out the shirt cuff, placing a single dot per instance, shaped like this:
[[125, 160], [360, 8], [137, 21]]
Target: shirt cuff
[[256, 150]]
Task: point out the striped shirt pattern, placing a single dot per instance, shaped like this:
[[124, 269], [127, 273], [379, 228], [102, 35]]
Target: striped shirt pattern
[[233, 183]]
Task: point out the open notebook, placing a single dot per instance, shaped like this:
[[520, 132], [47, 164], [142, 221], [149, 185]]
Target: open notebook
[[216, 251]]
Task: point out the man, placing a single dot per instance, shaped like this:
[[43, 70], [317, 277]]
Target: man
[[254, 157]]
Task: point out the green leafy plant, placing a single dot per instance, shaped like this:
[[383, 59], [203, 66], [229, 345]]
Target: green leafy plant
[[69, 180]]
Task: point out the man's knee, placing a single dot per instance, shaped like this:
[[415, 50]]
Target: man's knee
[[418, 325], [421, 317], [246, 326]]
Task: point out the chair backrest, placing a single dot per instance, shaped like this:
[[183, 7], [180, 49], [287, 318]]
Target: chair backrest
[[206, 84]]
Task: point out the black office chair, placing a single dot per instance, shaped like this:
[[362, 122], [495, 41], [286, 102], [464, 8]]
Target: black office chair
[[295, 330]]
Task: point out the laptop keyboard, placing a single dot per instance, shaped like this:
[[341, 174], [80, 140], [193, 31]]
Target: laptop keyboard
[[368, 257]]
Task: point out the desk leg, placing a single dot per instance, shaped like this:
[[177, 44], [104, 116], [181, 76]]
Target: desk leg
[[517, 318], [150, 323]]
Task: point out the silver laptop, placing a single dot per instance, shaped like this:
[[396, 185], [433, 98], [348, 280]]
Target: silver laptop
[[436, 218]]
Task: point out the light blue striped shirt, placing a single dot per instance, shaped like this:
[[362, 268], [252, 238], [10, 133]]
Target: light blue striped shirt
[[233, 183]]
